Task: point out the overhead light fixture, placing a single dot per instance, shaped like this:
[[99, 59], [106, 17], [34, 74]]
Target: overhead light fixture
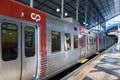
[[66, 14], [84, 23], [58, 10]]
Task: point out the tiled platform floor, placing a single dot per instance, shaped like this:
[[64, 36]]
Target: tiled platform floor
[[105, 67], [108, 68]]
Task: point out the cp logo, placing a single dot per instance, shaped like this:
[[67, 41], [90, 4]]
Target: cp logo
[[35, 17]]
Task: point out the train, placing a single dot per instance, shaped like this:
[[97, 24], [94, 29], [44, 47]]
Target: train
[[118, 42], [36, 45]]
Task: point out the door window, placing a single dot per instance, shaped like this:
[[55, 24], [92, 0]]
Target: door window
[[83, 41], [75, 41], [29, 41], [9, 41]]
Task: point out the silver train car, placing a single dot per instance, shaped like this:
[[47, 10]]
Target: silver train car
[[63, 53], [118, 42], [62, 45]]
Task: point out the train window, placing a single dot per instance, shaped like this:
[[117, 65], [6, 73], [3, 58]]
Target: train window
[[83, 41], [9, 41], [75, 41], [75, 28], [100, 40], [94, 40], [90, 39], [67, 41], [56, 41], [29, 41]]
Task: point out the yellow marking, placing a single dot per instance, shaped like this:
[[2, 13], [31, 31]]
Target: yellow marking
[[81, 75], [105, 52], [83, 60], [97, 53]]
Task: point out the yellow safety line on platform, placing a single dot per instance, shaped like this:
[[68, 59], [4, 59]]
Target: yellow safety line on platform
[[81, 75], [83, 60], [97, 53]]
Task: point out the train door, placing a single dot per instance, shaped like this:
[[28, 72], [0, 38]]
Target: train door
[[97, 42], [29, 51], [18, 51], [83, 46], [10, 61]]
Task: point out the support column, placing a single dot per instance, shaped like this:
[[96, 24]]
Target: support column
[[62, 8], [86, 12], [77, 9]]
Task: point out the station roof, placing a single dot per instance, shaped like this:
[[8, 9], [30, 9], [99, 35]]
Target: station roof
[[94, 12]]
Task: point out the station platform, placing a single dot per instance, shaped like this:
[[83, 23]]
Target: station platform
[[105, 67]]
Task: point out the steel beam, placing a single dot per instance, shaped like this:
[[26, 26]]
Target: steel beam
[[31, 3], [62, 8], [77, 6], [86, 12]]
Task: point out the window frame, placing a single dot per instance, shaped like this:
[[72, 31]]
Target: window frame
[[33, 37], [75, 35], [53, 41], [17, 32], [84, 41], [65, 44]]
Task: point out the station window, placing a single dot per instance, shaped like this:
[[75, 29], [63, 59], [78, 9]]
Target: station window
[[67, 41], [29, 41], [75, 41], [56, 41], [9, 41]]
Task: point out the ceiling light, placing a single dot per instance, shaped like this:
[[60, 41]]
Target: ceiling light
[[66, 14], [58, 10], [84, 22]]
